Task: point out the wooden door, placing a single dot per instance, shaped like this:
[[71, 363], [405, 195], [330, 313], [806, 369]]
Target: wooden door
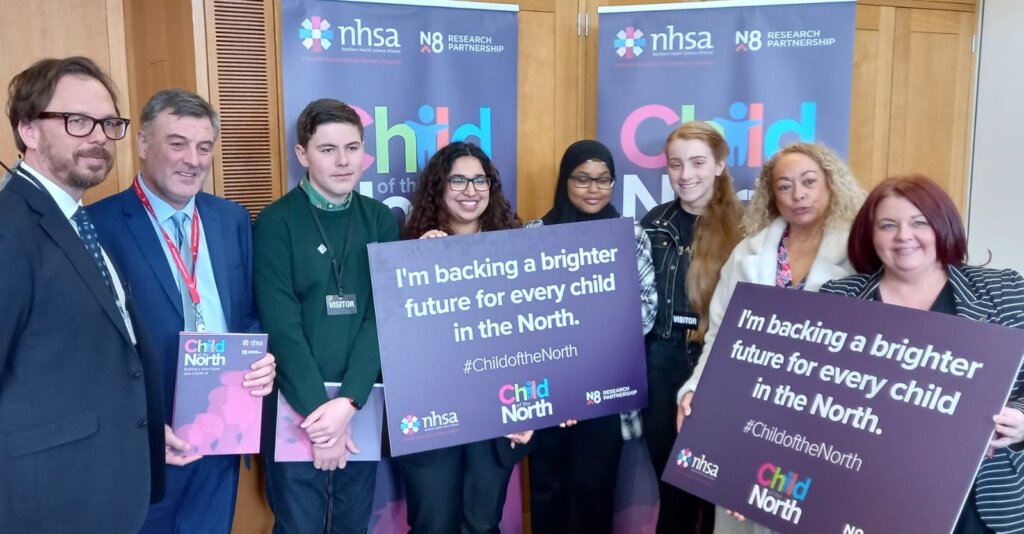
[[56, 28], [933, 67], [871, 93], [911, 95], [550, 110]]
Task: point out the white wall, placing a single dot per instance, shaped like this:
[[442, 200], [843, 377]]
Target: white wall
[[995, 216]]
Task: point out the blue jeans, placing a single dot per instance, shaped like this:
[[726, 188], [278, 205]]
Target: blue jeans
[[306, 500]]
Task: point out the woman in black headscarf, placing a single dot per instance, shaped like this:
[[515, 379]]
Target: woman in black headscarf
[[573, 467]]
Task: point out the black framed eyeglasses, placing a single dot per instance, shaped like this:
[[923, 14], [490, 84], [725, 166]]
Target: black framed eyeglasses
[[583, 181], [78, 125], [460, 183]]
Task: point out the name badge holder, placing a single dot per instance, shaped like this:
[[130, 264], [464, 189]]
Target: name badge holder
[[188, 277], [339, 303]]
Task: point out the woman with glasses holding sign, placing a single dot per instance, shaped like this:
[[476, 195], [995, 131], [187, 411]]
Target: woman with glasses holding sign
[[909, 247], [573, 468], [461, 488], [796, 224], [691, 238]]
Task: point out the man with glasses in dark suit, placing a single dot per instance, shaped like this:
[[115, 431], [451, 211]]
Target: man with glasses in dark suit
[[81, 420]]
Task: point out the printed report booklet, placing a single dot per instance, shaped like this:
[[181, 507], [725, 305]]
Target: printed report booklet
[[212, 411]]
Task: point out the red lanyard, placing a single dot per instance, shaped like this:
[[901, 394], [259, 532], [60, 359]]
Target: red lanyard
[[189, 278]]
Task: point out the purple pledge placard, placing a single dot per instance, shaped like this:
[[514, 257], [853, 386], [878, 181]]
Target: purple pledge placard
[[212, 411], [292, 444], [819, 413], [502, 332]]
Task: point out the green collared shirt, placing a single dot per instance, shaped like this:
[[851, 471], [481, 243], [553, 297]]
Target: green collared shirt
[[319, 201]]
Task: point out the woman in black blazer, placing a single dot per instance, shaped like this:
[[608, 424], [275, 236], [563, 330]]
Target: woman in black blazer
[[909, 245]]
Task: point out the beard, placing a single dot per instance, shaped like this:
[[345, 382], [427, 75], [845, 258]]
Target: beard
[[71, 173]]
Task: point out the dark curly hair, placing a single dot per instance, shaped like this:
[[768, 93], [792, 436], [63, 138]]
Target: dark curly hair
[[428, 211]]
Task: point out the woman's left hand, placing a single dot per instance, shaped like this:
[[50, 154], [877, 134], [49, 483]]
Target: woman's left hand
[[1009, 427]]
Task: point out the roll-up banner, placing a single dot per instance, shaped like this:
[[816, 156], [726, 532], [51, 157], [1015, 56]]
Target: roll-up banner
[[764, 73], [419, 76]]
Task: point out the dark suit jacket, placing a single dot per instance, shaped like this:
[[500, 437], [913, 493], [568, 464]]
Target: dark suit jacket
[[81, 421], [992, 296], [126, 233]]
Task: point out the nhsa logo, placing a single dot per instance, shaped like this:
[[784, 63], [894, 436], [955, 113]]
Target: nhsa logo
[[410, 425], [779, 493], [630, 42], [432, 422], [317, 35], [522, 402], [699, 465]]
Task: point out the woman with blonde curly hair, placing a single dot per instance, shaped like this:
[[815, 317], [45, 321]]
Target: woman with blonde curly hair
[[797, 225]]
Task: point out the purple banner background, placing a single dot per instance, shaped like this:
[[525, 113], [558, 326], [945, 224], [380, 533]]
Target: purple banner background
[[212, 411], [899, 467], [721, 64], [437, 389], [405, 68], [293, 445]]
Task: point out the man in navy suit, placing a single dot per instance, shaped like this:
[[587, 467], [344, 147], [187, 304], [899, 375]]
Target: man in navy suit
[[164, 232], [81, 420]]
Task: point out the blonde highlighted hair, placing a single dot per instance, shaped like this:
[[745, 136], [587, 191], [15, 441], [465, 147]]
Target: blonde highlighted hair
[[717, 230], [846, 194]]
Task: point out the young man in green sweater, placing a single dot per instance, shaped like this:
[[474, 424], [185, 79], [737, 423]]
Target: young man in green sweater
[[312, 278]]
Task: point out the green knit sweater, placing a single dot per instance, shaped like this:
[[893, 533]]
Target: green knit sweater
[[293, 278]]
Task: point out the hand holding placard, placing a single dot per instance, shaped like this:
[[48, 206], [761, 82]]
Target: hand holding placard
[[812, 394], [502, 332]]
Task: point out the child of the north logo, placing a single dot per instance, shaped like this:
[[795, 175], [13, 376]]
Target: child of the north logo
[[779, 492], [316, 34], [410, 425]]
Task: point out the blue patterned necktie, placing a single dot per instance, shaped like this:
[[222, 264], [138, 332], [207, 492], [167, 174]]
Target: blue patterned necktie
[[87, 232], [180, 221]]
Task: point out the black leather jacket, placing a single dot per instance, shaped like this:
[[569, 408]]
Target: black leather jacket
[[668, 256]]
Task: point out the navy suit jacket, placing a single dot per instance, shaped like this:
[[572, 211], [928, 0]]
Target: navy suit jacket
[[81, 422], [127, 234]]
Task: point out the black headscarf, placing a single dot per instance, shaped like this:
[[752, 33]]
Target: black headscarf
[[578, 153]]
